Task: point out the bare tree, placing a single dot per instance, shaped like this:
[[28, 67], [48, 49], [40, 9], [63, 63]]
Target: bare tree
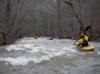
[[11, 10], [60, 26], [77, 15]]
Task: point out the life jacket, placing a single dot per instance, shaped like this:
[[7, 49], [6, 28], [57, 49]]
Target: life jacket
[[86, 37], [83, 41]]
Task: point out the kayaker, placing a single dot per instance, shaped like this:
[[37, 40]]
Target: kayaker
[[83, 41]]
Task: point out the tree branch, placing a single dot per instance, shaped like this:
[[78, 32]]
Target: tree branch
[[69, 3]]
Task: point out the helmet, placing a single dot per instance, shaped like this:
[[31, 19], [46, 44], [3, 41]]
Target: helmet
[[82, 35]]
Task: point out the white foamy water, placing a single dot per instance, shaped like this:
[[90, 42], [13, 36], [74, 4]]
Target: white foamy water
[[24, 60], [38, 50], [17, 61]]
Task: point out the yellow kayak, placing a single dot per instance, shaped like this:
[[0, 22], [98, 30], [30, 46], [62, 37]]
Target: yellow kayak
[[87, 48], [35, 38]]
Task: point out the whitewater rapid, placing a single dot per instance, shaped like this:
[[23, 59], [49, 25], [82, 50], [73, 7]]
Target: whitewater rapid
[[38, 50]]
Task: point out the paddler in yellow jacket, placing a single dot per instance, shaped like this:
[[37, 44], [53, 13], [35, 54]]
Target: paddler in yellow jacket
[[83, 41]]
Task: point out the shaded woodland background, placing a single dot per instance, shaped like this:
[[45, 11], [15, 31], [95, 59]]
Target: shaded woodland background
[[52, 18]]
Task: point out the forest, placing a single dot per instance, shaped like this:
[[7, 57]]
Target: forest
[[48, 18]]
